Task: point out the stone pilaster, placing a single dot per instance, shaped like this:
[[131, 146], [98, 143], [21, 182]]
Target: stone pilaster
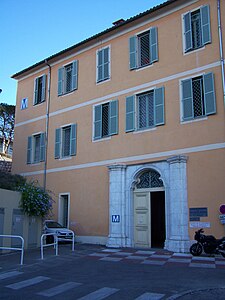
[[177, 236], [117, 207]]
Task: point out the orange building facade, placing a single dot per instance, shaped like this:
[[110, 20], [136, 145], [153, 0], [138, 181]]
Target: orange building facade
[[127, 128]]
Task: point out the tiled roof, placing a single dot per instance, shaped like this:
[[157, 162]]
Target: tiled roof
[[153, 9]]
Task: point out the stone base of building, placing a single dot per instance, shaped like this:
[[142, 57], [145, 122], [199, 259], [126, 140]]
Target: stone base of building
[[116, 242], [179, 246]]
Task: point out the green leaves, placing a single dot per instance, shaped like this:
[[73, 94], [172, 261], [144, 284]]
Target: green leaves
[[35, 201]]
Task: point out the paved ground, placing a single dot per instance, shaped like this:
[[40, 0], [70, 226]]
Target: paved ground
[[93, 272]]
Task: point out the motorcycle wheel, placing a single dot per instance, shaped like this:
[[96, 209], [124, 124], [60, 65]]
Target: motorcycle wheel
[[196, 249]]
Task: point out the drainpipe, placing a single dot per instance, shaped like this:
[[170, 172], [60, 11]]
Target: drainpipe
[[47, 123], [221, 48]]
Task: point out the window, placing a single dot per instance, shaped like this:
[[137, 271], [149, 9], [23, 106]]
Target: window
[[39, 89], [36, 148], [103, 64], [149, 179], [143, 49], [106, 119], [197, 28], [198, 97], [67, 78], [145, 110], [65, 141]]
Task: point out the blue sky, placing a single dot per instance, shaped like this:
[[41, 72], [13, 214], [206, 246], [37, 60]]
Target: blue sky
[[33, 30]]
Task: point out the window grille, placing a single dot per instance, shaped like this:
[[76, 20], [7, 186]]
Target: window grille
[[144, 51], [105, 119], [196, 29], [37, 144], [68, 78], [39, 91], [198, 98], [66, 141], [146, 110], [149, 179]]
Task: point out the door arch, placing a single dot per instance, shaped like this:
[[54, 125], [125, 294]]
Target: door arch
[[149, 210]]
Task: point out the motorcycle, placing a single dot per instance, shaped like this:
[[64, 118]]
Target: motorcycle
[[208, 243]]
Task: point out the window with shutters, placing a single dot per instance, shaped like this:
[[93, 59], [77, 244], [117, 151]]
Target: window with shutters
[[105, 119], [197, 28], [103, 64], [145, 110], [67, 78], [198, 97], [66, 141], [36, 148], [66, 133], [39, 89], [143, 48]]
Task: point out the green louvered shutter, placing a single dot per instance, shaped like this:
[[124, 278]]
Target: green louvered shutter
[[75, 75], [187, 99], [29, 150], [36, 91], [60, 81], [159, 106], [57, 142], [133, 52], [113, 117], [209, 94], [42, 147], [130, 113], [73, 139], [153, 40], [100, 65], [188, 32], [106, 63], [205, 22], [98, 122], [43, 90]]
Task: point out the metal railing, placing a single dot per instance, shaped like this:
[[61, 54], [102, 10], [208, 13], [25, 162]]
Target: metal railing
[[43, 245], [66, 240], [14, 248]]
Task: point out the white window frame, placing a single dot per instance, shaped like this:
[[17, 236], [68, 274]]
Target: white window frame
[[60, 209], [93, 124], [139, 67], [61, 149], [183, 36], [64, 66], [100, 49], [33, 148], [36, 104], [181, 104], [137, 130]]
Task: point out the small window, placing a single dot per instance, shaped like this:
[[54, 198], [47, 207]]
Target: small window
[[40, 89], [145, 103], [36, 148], [66, 141], [143, 49], [198, 97], [66, 137], [67, 78], [145, 110], [106, 119], [197, 28], [103, 64]]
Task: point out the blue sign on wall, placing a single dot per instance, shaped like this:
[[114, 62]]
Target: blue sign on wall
[[115, 218]]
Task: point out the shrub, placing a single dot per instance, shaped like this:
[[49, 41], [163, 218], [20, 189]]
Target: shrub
[[35, 201], [11, 182]]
